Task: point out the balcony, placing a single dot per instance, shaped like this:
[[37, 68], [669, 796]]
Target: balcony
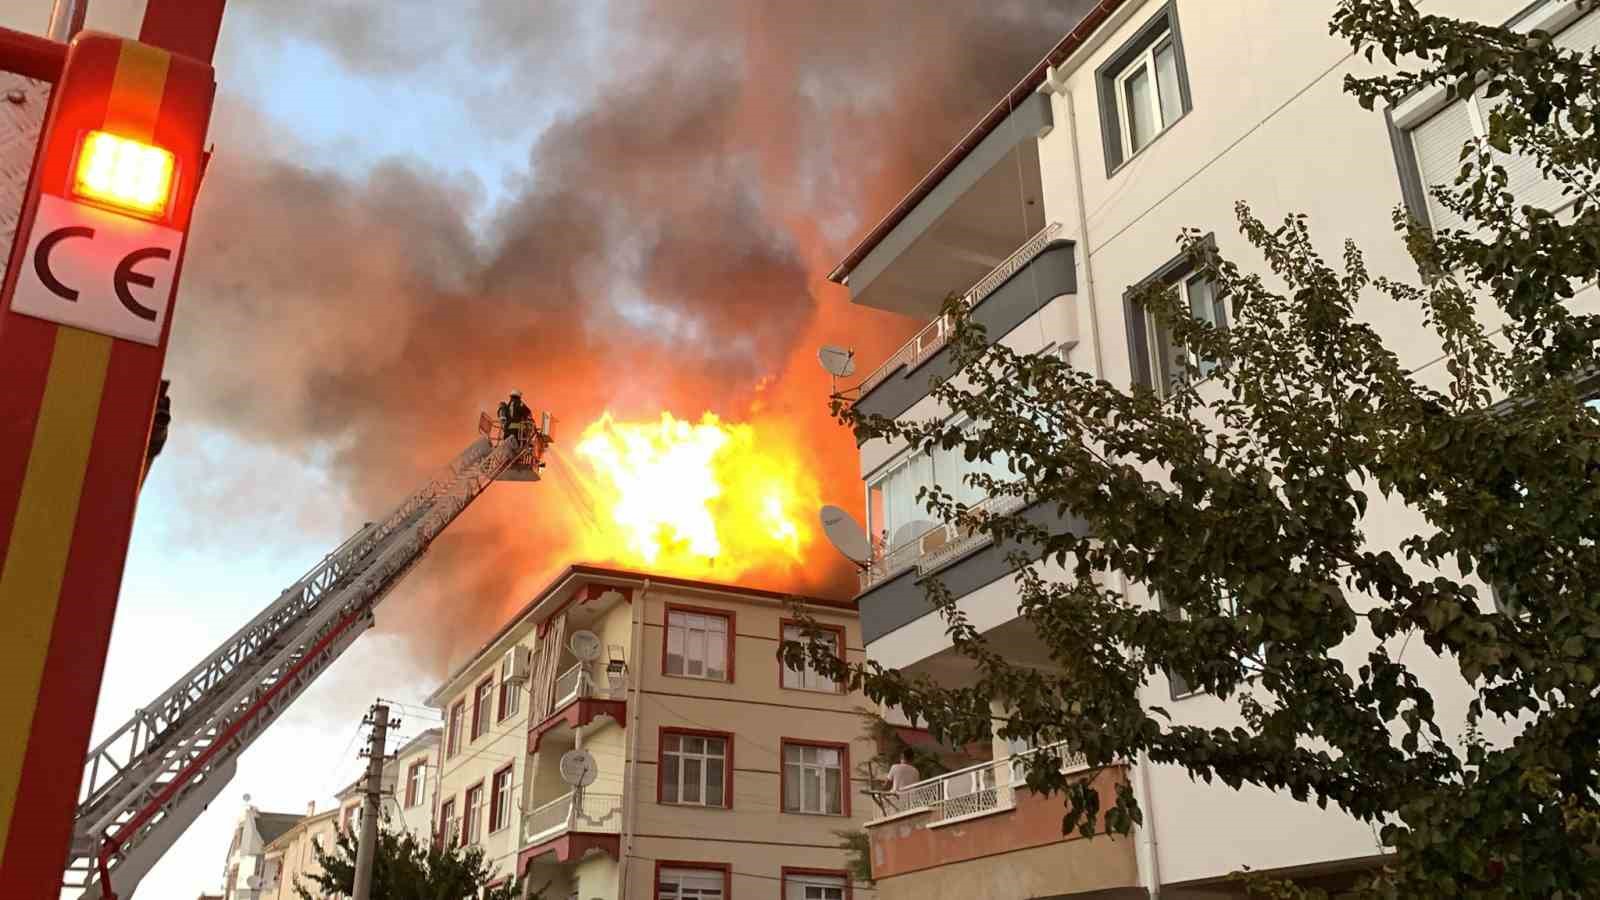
[[939, 546], [980, 832], [569, 827], [578, 699], [999, 301]]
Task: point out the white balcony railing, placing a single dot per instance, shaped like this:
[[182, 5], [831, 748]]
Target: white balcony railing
[[935, 334], [941, 544], [570, 685], [976, 790], [573, 811]]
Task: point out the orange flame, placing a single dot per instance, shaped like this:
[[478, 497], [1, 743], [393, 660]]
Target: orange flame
[[700, 500]]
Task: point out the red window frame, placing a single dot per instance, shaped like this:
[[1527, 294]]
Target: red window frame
[[783, 670], [844, 774], [411, 782], [501, 693], [452, 739], [447, 812], [725, 868], [727, 764], [733, 621], [786, 871], [470, 812], [480, 721], [496, 811]]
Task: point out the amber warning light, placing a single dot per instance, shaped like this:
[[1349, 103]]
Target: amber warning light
[[126, 174]]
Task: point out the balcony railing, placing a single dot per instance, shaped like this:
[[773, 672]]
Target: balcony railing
[[935, 334], [976, 790], [574, 811], [941, 544], [570, 685]]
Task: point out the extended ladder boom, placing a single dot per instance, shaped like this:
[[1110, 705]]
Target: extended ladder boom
[[147, 781]]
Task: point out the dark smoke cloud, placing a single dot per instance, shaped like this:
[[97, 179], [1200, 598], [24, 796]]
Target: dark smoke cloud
[[666, 251]]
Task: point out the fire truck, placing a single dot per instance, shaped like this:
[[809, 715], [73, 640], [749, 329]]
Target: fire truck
[[151, 776]]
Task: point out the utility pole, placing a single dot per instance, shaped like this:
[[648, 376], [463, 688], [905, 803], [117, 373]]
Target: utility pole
[[378, 718]]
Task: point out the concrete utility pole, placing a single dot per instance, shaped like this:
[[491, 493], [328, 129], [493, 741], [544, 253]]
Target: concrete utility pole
[[378, 718]]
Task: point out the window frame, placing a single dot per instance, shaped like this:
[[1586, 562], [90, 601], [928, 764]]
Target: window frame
[[1138, 51], [507, 692], [661, 766], [416, 793], [1140, 322], [844, 776], [499, 809], [447, 817], [785, 872], [728, 644], [472, 814], [724, 869], [453, 728], [784, 672], [483, 691]]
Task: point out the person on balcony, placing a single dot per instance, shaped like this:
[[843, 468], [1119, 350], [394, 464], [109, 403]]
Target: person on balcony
[[903, 774]]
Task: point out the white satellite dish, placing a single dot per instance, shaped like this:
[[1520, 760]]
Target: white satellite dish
[[839, 361], [910, 531], [578, 768], [585, 645], [845, 535]]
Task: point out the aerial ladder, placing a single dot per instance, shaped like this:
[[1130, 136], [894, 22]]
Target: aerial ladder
[[152, 776]]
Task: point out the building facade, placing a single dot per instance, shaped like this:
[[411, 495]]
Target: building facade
[[246, 872], [710, 772], [1151, 116], [410, 782], [291, 856]]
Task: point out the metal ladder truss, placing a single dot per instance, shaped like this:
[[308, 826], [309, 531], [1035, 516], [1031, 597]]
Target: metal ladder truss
[[149, 778]]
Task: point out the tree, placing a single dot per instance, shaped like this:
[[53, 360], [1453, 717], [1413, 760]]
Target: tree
[[405, 868], [1244, 501]]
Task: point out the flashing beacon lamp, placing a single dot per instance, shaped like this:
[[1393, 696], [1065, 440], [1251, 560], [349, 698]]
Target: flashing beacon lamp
[[86, 309]]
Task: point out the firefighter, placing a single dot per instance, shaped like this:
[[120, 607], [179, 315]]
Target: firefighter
[[516, 416]]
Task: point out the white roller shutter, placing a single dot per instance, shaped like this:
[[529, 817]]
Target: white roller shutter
[[1437, 143]]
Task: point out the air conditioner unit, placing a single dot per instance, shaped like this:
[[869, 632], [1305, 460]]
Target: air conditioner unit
[[516, 664]]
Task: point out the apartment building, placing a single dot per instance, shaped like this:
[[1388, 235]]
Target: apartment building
[[291, 856], [246, 871], [712, 773], [410, 781], [1152, 115]]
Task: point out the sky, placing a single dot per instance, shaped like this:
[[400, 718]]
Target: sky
[[628, 205]]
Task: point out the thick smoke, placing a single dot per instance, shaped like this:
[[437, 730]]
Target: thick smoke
[[708, 164]]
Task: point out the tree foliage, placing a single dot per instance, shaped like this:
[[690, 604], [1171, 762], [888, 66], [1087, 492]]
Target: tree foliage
[[1317, 506], [406, 868]]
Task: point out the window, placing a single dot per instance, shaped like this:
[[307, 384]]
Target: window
[[814, 778], [810, 679], [680, 881], [472, 814], [896, 518], [803, 884], [696, 768], [1157, 362], [697, 644], [1428, 143], [510, 693], [1144, 88], [480, 707], [500, 800], [1180, 687], [350, 818], [416, 783], [447, 823], [453, 743]]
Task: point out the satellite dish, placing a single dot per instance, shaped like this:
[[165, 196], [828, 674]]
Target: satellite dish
[[578, 768], [910, 531], [585, 645], [845, 535], [839, 361]]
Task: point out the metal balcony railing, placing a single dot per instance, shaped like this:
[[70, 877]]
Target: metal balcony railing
[[570, 685], [941, 544], [573, 811], [984, 788], [935, 334]]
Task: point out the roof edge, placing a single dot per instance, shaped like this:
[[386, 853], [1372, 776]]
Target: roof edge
[[991, 120]]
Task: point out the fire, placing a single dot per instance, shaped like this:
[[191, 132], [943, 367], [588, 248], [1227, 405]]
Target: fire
[[697, 499]]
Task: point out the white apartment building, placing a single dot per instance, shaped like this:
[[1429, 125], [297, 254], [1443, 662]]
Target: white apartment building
[[717, 774], [246, 872], [1152, 115], [410, 782]]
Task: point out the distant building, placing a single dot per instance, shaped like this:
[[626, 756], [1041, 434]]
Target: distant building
[[717, 773], [243, 875], [410, 780], [291, 855], [1150, 116]]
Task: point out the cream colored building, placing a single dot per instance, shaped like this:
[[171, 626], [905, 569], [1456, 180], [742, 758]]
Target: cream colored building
[[1151, 116], [410, 782], [717, 774], [291, 857]]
